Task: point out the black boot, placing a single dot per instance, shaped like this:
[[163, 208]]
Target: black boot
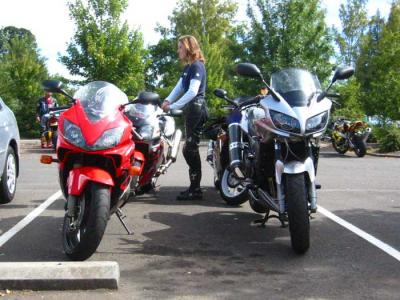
[[193, 192]]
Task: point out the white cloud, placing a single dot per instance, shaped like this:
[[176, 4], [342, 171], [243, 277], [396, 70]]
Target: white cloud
[[49, 20]]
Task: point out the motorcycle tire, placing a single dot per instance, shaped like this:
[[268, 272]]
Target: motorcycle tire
[[232, 195], [79, 244], [297, 209], [339, 149], [8, 181], [54, 140], [360, 148]]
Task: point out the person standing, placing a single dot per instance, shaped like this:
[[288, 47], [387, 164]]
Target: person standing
[[189, 95], [42, 114]]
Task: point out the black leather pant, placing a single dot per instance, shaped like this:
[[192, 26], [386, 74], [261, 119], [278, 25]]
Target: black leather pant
[[195, 117]]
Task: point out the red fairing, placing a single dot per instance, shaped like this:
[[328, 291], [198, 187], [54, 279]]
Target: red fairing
[[79, 177], [93, 131]]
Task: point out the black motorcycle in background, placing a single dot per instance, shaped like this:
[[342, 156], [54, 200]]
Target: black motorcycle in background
[[350, 135]]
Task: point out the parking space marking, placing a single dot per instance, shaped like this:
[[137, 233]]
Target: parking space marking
[[29, 218], [361, 233]]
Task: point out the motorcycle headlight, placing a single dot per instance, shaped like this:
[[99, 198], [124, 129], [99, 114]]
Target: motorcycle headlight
[[317, 122], [285, 122], [108, 139], [73, 134]]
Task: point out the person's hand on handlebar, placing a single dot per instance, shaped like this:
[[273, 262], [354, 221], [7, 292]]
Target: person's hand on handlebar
[[165, 106]]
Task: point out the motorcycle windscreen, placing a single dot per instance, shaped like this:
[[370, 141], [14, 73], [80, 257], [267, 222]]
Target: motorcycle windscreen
[[100, 99], [296, 86], [144, 118]]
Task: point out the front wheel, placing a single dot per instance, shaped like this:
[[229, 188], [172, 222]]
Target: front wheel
[[360, 148], [231, 189], [8, 181], [82, 236], [340, 146], [297, 209]]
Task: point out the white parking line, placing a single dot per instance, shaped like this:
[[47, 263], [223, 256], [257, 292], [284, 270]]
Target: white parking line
[[29, 218], [366, 236]]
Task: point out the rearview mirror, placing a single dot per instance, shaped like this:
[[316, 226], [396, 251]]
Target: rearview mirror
[[342, 73], [220, 93], [248, 69], [53, 86]]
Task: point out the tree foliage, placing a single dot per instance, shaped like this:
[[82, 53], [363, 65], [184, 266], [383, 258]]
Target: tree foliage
[[210, 21], [289, 33], [22, 70], [103, 48], [382, 84], [354, 21]]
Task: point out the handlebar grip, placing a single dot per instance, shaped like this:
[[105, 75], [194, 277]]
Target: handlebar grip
[[255, 100]]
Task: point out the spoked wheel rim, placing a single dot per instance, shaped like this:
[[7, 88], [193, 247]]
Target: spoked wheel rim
[[11, 174], [231, 186]]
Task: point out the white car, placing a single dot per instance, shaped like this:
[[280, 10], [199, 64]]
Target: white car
[[9, 153]]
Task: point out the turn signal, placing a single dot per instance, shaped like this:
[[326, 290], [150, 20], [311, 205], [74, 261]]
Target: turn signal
[[136, 169], [46, 159]]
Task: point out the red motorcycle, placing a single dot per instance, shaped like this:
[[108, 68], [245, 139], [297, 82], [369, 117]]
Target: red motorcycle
[[97, 163], [100, 166]]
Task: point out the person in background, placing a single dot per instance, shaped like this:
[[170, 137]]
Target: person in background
[[189, 95], [42, 113]]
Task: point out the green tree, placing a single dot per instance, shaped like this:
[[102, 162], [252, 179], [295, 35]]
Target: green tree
[[354, 21], [103, 48], [289, 33], [384, 92], [22, 70], [365, 71], [9, 32], [210, 21]]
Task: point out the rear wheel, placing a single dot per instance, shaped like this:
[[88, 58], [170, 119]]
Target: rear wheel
[[299, 221], [54, 139], [8, 184], [80, 241], [231, 189]]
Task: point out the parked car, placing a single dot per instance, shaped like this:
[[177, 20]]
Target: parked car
[[9, 153]]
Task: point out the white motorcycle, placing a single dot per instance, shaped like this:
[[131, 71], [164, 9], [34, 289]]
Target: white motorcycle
[[274, 147]]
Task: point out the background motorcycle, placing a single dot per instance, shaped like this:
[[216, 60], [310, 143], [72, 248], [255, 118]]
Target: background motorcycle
[[350, 135], [97, 163], [231, 189], [50, 136], [155, 136], [274, 146]]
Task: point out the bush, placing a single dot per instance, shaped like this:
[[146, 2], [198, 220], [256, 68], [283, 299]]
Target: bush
[[389, 139]]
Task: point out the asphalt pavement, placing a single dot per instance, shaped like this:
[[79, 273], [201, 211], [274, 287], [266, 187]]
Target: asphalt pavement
[[207, 250]]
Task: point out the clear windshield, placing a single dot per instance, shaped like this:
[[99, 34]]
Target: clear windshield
[[141, 114], [296, 86], [99, 99]]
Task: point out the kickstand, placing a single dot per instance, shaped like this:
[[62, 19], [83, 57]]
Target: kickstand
[[267, 217], [121, 217]]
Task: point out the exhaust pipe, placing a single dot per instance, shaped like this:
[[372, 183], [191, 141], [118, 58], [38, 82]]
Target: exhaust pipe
[[175, 145]]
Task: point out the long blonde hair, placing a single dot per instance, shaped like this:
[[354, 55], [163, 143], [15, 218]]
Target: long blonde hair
[[193, 51]]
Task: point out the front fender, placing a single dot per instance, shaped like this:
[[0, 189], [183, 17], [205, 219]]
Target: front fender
[[295, 167], [79, 177]]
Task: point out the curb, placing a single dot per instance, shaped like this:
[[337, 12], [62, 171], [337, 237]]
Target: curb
[[59, 275]]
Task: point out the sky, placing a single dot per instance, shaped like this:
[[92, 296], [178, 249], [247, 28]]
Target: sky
[[49, 21]]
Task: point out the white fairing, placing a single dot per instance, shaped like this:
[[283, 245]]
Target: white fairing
[[302, 114]]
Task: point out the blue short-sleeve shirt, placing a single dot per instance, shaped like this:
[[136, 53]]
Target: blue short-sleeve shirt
[[197, 71]]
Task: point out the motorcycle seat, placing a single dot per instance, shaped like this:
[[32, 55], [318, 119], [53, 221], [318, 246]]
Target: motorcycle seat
[[148, 98]]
